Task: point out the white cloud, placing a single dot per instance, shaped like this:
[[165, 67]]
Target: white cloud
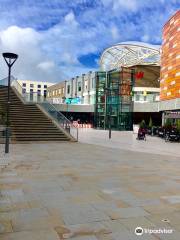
[[70, 19], [51, 36], [46, 66], [145, 38], [50, 55], [131, 5], [115, 32]]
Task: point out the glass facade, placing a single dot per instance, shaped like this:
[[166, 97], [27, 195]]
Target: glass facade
[[114, 106]]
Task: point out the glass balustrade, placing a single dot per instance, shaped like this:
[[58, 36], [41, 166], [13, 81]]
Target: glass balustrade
[[60, 119]]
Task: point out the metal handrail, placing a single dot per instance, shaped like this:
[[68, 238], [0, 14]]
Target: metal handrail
[[65, 123]]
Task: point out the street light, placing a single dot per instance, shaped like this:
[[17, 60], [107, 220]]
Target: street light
[[10, 59], [108, 93]]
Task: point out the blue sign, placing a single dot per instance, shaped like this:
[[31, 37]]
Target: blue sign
[[73, 100]]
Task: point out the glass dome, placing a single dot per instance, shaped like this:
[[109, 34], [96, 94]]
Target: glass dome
[[127, 54]]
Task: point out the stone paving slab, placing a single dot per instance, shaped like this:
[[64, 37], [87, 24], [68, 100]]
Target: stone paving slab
[[85, 238], [78, 191], [127, 213], [82, 214], [32, 235]]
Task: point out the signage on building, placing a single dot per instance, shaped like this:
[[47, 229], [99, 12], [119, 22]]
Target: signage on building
[[73, 100], [139, 75], [173, 115]]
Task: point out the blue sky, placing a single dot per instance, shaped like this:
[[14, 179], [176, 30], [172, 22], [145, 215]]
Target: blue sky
[[58, 39]]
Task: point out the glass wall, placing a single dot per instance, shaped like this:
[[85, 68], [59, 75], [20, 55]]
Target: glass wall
[[114, 106]]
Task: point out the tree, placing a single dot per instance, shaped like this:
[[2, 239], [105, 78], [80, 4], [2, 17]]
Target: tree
[[150, 123], [168, 124], [178, 125], [142, 124]]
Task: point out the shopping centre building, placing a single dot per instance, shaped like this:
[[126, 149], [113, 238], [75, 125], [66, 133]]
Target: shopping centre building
[[136, 81], [170, 69], [123, 90]]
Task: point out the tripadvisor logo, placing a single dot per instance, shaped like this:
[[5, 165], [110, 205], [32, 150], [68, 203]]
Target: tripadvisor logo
[[139, 231]]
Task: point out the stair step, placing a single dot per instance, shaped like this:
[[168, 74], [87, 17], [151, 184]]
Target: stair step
[[28, 122], [19, 127], [38, 134], [38, 137], [40, 140]]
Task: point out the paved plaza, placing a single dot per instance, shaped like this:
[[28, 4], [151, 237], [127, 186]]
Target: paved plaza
[[97, 189]]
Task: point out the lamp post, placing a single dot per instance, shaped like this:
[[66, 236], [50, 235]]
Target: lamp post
[[10, 59], [108, 93]]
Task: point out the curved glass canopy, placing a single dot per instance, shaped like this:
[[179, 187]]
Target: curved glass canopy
[[127, 54]]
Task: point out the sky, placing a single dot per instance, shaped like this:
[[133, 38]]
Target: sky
[[60, 39]]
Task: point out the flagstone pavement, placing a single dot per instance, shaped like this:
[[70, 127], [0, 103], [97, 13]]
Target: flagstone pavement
[[80, 191]]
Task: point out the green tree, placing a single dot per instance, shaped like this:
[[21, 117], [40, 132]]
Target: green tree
[[168, 124], [142, 124], [150, 123], [178, 125]]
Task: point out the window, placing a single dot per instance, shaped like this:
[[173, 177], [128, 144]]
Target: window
[[39, 92], [45, 93], [24, 84], [31, 85], [137, 98], [79, 86], [31, 90], [68, 89], [45, 86], [86, 85], [23, 90], [39, 86], [93, 82]]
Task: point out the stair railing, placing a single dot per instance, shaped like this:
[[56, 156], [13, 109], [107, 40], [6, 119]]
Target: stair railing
[[35, 97], [65, 123]]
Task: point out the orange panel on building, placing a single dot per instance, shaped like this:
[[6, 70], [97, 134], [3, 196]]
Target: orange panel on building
[[170, 59]]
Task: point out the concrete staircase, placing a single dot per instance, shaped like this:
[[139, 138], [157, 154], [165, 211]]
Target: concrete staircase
[[28, 122]]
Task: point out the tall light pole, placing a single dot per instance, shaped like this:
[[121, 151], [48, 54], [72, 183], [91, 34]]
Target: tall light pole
[[10, 59], [108, 94]]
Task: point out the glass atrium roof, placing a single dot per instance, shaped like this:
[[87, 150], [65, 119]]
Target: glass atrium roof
[[128, 54]]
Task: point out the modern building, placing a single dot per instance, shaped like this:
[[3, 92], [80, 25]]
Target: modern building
[[170, 69], [170, 59], [83, 95], [56, 93], [114, 105], [77, 90], [81, 89], [34, 87], [127, 54], [144, 59]]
